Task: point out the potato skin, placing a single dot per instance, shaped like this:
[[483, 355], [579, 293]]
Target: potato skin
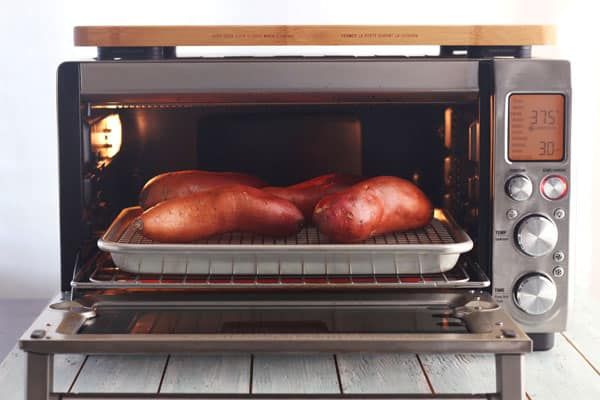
[[184, 183], [236, 208], [305, 195], [372, 207]]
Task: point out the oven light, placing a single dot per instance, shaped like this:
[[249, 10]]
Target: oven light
[[106, 136], [448, 127]]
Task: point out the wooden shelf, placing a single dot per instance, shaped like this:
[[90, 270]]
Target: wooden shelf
[[283, 35]]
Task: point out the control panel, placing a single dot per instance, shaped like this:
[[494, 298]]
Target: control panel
[[531, 193], [533, 240]]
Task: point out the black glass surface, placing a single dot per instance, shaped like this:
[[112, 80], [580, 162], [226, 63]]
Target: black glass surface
[[273, 320]]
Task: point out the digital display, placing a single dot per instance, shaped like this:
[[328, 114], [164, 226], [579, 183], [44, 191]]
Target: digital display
[[536, 127]]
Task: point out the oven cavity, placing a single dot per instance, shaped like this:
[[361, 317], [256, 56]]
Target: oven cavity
[[433, 145]]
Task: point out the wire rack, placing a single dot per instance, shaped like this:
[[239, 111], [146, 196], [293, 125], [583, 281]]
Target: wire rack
[[103, 274], [436, 233]]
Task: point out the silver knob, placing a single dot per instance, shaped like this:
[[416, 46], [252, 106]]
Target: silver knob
[[535, 294], [519, 188], [554, 187], [536, 235]]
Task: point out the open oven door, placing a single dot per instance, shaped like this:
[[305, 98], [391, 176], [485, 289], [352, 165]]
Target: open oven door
[[420, 321]]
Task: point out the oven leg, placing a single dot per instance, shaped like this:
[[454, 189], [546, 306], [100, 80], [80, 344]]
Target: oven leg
[[510, 380], [39, 377]]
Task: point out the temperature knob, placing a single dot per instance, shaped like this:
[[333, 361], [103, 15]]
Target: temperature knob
[[554, 187], [536, 235], [535, 294], [519, 188]]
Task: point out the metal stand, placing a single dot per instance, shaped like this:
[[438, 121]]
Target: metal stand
[[490, 330], [40, 377], [510, 380]]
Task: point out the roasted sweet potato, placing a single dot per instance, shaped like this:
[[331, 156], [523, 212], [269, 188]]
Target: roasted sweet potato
[[305, 195], [184, 183], [372, 207], [235, 208]]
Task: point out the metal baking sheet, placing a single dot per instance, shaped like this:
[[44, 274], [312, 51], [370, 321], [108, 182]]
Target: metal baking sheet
[[432, 249]]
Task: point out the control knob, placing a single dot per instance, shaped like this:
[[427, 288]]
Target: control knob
[[554, 187], [519, 187], [535, 294], [536, 235]]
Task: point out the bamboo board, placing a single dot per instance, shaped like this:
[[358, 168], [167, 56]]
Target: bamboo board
[[282, 35]]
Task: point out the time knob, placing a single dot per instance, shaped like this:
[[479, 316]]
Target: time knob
[[536, 235], [535, 294], [519, 187]]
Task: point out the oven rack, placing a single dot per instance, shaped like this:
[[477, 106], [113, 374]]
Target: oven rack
[[433, 249], [103, 274]]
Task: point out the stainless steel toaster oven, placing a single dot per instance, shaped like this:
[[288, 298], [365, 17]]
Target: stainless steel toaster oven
[[483, 129]]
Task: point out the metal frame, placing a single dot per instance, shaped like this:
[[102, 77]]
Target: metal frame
[[510, 376], [40, 377], [70, 168], [101, 273], [218, 81], [510, 385], [491, 330], [337, 78]]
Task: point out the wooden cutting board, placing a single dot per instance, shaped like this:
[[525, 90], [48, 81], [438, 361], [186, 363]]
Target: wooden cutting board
[[277, 35]]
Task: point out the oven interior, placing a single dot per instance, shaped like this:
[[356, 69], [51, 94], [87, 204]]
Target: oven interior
[[437, 145]]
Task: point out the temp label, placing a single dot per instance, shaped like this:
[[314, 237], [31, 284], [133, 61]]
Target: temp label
[[502, 235]]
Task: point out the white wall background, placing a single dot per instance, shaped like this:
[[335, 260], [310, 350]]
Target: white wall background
[[36, 35]]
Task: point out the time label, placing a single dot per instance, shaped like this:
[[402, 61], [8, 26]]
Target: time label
[[536, 127]]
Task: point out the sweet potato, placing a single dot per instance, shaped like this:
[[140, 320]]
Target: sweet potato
[[184, 183], [305, 195], [372, 207], [236, 208]]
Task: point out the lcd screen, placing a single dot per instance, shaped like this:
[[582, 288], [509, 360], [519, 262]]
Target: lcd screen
[[536, 127]]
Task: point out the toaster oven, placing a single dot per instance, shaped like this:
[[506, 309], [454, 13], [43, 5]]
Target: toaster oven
[[483, 129]]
